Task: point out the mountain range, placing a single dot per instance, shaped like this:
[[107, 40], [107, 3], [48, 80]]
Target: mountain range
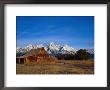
[[52, 48]]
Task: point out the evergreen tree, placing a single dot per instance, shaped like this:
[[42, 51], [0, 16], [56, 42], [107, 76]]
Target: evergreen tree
[[82, 54]]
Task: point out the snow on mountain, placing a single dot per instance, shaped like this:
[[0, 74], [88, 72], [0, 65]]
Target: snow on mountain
[[91, 51], [17, 49], [39, 46], [21, 50], [67, 48], [29, 47], [53, 48]]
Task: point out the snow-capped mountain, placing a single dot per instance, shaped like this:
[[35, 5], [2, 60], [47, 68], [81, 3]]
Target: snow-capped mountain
[[29, 47], [58, 49], [67, 48], [91, 51], [39, 46], [53, 48], [21, 50]]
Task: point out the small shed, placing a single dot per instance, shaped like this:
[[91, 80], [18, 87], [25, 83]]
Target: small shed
[[20, 60]]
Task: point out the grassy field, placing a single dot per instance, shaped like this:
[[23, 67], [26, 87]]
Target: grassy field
[[61, 67]]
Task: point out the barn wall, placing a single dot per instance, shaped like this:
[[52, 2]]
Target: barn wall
[[20, 60]]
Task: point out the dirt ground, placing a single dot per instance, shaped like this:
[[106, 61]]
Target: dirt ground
[[60, 67]]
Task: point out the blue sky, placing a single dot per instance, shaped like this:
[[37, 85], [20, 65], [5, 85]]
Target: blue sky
[[76, 31]]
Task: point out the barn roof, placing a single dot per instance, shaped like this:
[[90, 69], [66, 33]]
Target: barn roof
[[35, 51], [20, 57], [31, 52]]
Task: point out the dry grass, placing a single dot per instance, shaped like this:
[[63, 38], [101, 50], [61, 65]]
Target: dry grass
[[60, 67]]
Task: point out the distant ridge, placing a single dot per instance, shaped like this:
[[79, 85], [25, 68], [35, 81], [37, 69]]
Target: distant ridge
[[52, 48]]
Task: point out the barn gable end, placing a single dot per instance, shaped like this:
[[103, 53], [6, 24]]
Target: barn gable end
[[36, 56]]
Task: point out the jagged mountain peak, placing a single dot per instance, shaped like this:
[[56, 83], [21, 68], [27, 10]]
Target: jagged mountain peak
[[52, 48], [52, 43], [67, 48]]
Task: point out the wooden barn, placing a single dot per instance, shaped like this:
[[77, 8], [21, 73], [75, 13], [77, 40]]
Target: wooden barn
[[36, 56]]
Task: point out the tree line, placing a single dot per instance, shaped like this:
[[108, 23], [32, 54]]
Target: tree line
[[81, 54]]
